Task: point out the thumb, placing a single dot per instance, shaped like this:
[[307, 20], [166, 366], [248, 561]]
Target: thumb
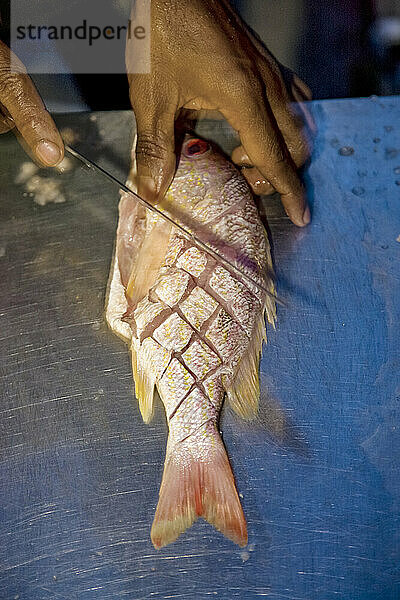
[[23, 107], [155, 152]]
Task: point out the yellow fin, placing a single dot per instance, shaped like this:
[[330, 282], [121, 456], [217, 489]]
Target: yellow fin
[[144, 388], [270, 306], [148, 261], [244, 392]]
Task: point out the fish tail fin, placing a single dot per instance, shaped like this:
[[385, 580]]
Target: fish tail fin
[[193, 487]]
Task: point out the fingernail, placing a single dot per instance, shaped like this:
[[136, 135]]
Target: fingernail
[[306, 216], [48, 152]]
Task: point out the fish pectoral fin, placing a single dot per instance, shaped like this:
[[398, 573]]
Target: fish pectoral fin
[[148, 262], [243, 393], [193, 488], [144, 388]]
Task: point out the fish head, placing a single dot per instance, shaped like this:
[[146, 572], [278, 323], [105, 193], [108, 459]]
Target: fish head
[[210, 197], [202, 174]]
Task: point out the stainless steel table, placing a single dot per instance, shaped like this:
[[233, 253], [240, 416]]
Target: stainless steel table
[[320, 470]]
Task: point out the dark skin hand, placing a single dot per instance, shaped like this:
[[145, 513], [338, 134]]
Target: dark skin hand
[[21, 107], [203, 57]]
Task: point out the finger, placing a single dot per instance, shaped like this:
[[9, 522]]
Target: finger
[[19, 97], [296, 140], [257, 182], [301, 106], [303, 87], [240, 157], [6, 124], [297, 94], [291, 80], [291, 122], [264, 145], [255, 179], [155, 147]]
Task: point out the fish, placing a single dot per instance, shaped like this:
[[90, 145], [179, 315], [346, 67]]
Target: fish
[[195, 328]]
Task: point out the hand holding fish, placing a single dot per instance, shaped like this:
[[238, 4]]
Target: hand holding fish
[[203, 57], [22, 107]]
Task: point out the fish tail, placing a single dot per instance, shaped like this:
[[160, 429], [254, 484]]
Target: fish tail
[[198, 482]]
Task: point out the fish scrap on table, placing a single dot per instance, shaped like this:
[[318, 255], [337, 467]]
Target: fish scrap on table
[[195, 328]]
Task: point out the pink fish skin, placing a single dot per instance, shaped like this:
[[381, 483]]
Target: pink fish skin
[[195, 329]]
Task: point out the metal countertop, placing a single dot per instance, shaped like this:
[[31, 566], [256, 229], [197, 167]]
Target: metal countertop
[[319, 472]]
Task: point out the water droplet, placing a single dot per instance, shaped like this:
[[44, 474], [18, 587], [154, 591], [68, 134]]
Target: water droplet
[[362, 173], [384, 247], [388, 128], [391, 153], [376, 140], [396, 170], [358, 191], [397, 182], [346, 151], [96, 325], [244, 556]]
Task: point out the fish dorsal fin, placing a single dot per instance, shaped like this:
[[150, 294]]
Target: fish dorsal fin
[[243, 392]]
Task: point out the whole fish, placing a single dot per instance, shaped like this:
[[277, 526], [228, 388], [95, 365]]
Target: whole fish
[[195, 329]]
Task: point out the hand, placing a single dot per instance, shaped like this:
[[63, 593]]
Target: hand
[[22, 107], [204, 57]]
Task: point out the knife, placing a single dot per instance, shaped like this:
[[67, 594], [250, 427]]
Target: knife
[[188, 234]]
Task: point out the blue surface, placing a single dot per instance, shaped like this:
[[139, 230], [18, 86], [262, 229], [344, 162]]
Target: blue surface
[[319, 471]]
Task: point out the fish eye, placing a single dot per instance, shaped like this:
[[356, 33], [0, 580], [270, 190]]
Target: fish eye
[[195, 148]]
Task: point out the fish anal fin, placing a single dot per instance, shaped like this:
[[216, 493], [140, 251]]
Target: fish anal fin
[[144, 388], [193, 487], [243, 392]]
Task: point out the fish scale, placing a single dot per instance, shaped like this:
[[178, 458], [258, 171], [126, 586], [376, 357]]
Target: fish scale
[[197, 358], [195, 330]]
